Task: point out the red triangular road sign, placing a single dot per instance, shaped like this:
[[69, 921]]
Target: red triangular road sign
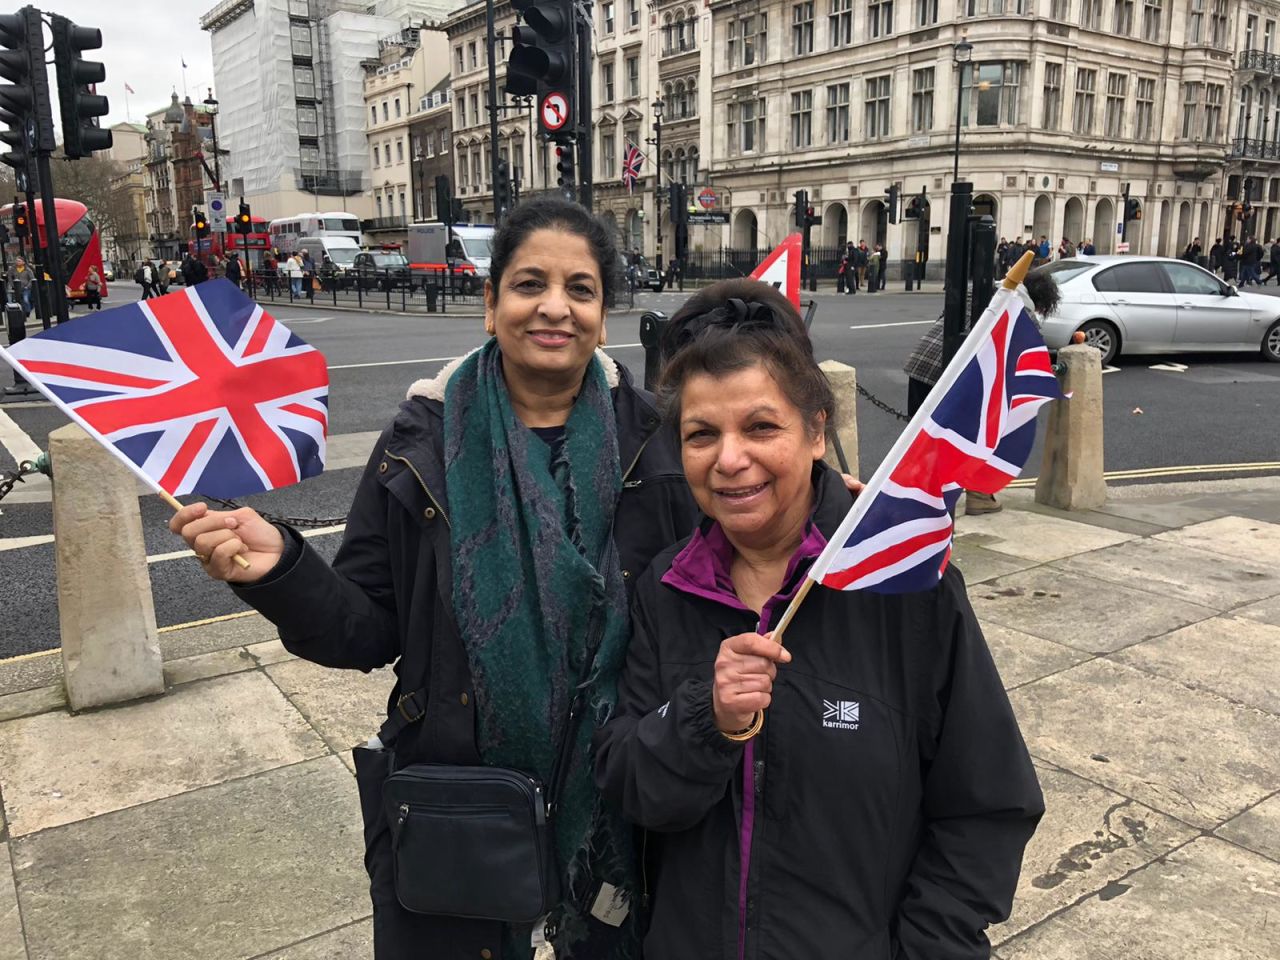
[[782, 268]]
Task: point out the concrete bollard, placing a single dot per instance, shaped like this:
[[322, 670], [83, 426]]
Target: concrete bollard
[[844, 384], [1071, 473], [110, 647]]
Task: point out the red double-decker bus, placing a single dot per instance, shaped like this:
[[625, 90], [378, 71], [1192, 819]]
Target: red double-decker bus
[[250, 247], [77, 236]]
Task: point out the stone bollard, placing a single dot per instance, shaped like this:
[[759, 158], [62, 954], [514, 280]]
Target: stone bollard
[[844, 384], [110, 648], [1071, 473]]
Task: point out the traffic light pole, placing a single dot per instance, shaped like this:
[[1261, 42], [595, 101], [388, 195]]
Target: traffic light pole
[[491, 40], [957, 273], [586, 149], [52, 244]]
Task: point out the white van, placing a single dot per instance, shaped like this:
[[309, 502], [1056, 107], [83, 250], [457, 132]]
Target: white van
[[469, 258], [287, 231], [341, 250]]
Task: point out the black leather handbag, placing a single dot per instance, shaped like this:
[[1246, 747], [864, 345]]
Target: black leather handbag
[[477, 842]]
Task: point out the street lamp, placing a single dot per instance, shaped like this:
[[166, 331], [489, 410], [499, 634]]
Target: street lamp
[[212, 109], [962, 53], [656, 141]]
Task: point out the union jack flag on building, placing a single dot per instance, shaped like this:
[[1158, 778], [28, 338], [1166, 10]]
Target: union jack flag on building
[[974, 432], [200, 390], [632, 161]]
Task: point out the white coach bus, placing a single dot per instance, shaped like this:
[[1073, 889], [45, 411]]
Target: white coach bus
[[287, 231]]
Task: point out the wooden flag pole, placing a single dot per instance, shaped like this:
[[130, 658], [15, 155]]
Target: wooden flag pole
[[1017, 273], [172, 501]]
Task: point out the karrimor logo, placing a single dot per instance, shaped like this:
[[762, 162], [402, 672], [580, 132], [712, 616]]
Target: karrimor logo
[[840, 714]]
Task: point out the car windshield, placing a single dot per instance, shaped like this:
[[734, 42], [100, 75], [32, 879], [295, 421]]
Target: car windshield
[[344, 256], [476, 247], [1063, 270]]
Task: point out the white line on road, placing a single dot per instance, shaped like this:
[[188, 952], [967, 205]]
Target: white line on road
[[298, 320], [15, 440], [393, 363], [17, 543], [900, 323]]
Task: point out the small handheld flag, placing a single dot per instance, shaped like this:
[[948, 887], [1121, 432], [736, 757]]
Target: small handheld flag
[[200, 390], [973, 432], [781, 268]]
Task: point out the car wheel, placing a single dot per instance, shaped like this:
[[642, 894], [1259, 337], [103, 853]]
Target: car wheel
[[1103, 337], [1271, 343]]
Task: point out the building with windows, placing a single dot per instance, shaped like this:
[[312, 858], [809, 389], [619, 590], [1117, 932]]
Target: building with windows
[[431, 136], [125, 237], [409, 62], [1059, 106], [174, 177], [1253, 170]]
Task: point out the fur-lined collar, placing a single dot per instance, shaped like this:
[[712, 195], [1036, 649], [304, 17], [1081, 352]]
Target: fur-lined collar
[[432, 388]]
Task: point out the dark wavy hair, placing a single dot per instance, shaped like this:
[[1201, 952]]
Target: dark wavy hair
[[736, 324], [556, 213]]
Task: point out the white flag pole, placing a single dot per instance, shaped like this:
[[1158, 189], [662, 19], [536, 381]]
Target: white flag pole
[[972, 343]]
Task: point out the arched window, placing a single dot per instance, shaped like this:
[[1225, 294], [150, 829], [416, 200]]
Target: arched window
[[669, 164], [668, 35], [680, 40], [668, 94], [691, 97], [693, 165], [1264, 118], [681, 174], [1242, 124], [691, 27]]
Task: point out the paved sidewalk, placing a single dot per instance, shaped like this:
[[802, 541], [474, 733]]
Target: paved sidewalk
[[1140, 644]]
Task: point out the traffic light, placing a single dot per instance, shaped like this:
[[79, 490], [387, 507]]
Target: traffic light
[[24, 101], [891, 203], [1132, 209], [456, 213], [1243, 210], [201, 224], [21, 229], [917, 208], [802, 207], [565, 176], [503, 200], [244, 219], [678, 200], [80, 108], [542, 53]]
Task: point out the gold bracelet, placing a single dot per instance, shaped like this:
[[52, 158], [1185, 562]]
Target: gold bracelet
[[757, 724]]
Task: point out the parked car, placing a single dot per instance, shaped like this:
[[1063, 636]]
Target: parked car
[[108, 271], [383, 269], [1156, 305]]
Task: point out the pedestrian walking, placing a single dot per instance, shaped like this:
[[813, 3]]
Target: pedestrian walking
[[142, 277], [761, 831], [162, 277], [860, 261], [883, 265], [842, 271], [873, 269], [1087, 249], [309, 275], [293, 268], [1215, 255], [233, 269], [93, 289], [1275, 261], [270, 273], [1251, 262], [1066, 249], [1042, 251], [21, 279], [1192, 252], [498, 622]]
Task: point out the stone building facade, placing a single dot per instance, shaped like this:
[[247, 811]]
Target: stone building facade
[[1253, 167]]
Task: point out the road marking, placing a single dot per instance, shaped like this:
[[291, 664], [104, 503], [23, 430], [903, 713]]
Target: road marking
[[1154, 473], [1170, 367], [206, 621], [25, 405], [900, 323], [18, 543], [299, 321], [1110, 369], [15, 440], [393, 363]]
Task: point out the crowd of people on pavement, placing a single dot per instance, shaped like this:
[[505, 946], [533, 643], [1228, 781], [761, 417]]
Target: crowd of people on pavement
[[1234, 260], [862, 268]]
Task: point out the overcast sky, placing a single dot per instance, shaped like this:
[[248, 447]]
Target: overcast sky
[[143, 44]]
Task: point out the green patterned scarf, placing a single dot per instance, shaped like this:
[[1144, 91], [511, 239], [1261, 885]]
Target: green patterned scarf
[[527, 529]]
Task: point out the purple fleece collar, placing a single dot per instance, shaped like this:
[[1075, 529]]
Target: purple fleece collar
[[702, 567]]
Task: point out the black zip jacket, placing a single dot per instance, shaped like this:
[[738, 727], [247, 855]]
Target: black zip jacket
[[387, 597], [893, 793]]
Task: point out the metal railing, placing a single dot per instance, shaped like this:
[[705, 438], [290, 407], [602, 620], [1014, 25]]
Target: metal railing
[[416, 291], [1255, 149], [385, 223], [1260, 61]]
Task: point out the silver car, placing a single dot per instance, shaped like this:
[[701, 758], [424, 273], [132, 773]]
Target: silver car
[[1157, 305]]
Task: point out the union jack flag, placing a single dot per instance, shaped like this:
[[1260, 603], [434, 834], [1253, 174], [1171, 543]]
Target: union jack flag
[[974, 432], [632, 161], [200, 390]]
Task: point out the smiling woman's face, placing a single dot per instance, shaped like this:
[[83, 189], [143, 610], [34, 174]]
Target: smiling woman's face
[[549, 314], [748, 455]]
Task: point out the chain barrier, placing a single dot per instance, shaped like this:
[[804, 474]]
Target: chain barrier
[[877, 402], [25, 469], [275, 518]]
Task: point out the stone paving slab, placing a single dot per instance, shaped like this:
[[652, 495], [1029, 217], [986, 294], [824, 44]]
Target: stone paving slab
[[354, 941], [1234, 658], [1089, 836], [1178, 572], [12, 945], [269, 652], [1264, 611], [1032, 536], [1080, 611], [235, 631], [977, 563], [1229, 536], [1167, 515], [345, 707], [30, 702], [1258, 828], [1207, 900], [197, 734], [1021, 658], [1186, 753], [232, 871], [202, 666]]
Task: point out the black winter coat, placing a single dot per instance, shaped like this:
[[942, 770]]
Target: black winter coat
[[898, 834], [387, 597]]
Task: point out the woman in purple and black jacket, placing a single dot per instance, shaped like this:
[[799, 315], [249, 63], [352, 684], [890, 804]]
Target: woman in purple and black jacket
[[881, 807]]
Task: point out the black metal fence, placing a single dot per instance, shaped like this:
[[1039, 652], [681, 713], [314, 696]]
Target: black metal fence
[[706, 266], [420, 292]]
